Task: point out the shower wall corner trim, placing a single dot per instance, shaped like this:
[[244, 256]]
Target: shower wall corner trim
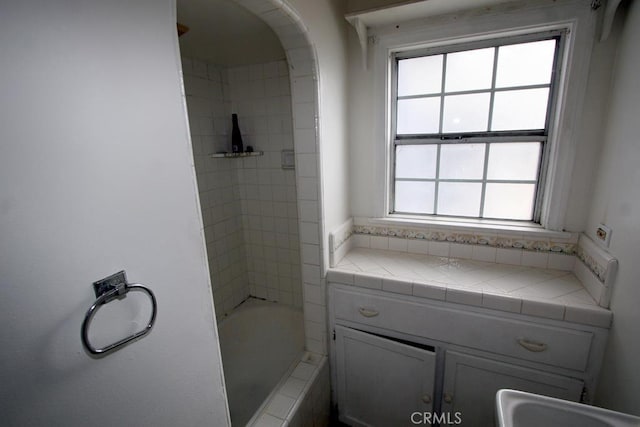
[[302, 60]]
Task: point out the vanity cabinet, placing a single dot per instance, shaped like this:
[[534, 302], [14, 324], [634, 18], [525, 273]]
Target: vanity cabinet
[[395, 355], [380, 380], [471, 383]]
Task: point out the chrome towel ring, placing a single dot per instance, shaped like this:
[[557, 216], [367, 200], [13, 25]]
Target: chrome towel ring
[[108, 289]]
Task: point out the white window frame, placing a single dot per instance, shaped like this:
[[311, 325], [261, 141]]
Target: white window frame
[[479, 137], [575, 17]]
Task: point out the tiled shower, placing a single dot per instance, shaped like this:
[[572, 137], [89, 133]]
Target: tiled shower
[[248, 204]]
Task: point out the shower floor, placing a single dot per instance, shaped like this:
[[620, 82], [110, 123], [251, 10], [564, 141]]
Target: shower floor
[[258, 341]]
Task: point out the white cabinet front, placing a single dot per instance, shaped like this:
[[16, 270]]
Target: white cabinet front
[[382, 382], [471, 383]]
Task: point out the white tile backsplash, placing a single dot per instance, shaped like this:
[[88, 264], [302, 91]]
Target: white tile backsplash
[[439, 248], [415, 246], [561, 262], [461, 251], [509, 256], [483, 253], [379, 242], [535, 259], [399, 245]]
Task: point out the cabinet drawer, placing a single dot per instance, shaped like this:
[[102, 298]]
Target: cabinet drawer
[[557, 346]]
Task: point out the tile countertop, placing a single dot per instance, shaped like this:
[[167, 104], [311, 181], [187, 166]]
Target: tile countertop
[[546, 293]]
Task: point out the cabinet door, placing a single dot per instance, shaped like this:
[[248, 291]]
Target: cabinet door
[[381, 382], [471, 383]]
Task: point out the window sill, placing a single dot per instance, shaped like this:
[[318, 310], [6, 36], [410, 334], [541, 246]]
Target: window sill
[[526, 229]]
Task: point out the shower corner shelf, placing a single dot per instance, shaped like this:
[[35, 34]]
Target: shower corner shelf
[[234, 155]]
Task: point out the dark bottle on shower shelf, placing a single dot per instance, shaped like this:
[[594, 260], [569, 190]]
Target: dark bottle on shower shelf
[[236, 138]]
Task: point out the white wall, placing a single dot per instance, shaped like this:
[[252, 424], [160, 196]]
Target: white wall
[[96, 175], [327, 30], [590, 134], [616, 202]]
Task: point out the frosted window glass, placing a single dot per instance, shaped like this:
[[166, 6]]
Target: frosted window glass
[[514, 161], [462, 161], [416, 161], [466, 113], [509, 201], [420, 76], [469, 70], [414, 197], [459, 198], [525, 64], [520, 109], [418, 115]]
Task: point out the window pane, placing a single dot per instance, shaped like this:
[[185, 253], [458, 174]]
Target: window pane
[[414, 197], [509, 201], [514, 161], [525, 64], [469, 70], [420, 76], [418, 115], [416, 161], [466, 113], [520, 109], [459, 198], [462, 161]]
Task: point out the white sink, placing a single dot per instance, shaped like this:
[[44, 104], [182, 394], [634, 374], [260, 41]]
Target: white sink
[[520, 409]]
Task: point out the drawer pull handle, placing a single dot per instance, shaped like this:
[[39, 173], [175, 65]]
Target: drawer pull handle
[[426, 398], [536, 347], [448, 398], [366, 312]]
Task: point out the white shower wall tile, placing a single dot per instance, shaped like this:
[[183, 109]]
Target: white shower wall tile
[[308, 189], [261, 98], [307, 165], [305, 140], [309, 233], [248, 205], [217, 183], [310, 254], [314, 294], [304, 114]]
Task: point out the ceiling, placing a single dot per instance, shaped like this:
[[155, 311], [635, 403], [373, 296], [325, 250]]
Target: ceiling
[[224, 33], [382, 12]]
